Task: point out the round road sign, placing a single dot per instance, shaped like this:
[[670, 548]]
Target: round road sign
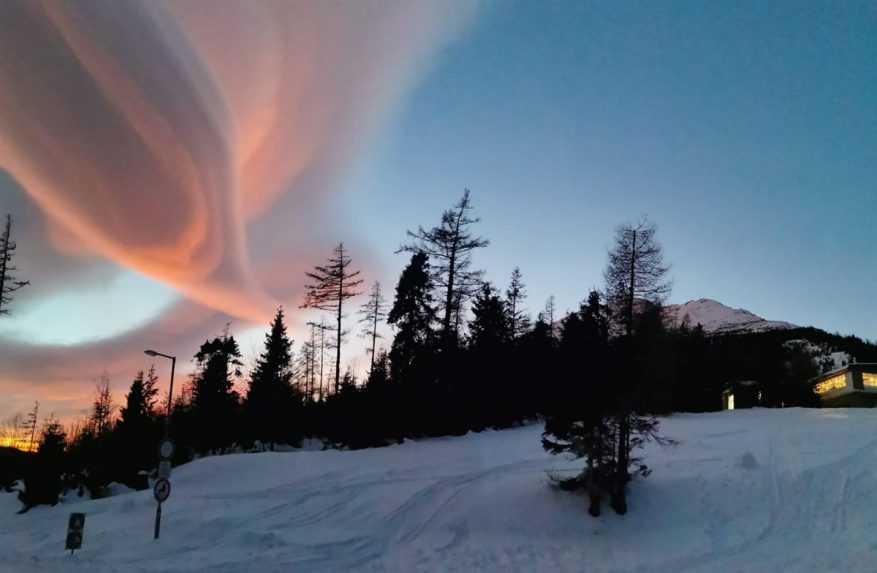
[[162, 490], [166, 449]]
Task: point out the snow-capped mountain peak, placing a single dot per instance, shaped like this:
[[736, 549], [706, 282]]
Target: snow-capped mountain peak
[[715, 317]]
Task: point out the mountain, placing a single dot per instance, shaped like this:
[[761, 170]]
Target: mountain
[[716, 318]]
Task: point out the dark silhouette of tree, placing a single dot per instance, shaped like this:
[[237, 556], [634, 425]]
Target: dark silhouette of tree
[[413, 316], [371, 313], [515, 295], [580, 417], [30, 425], [138, 430], [8, 283], [102, 408], [271, 400], [43, 479], [491, 326], [214, 399], [635, 272], [450, 246], [333, 284]]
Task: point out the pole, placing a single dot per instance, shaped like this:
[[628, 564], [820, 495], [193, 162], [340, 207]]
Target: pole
[[170, 400], [157, 520]]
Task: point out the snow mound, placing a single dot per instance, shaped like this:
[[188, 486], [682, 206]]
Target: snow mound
[[482, 502], [716, 318]]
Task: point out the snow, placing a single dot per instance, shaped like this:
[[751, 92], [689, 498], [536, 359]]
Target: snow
[[749, 490], [715, 317]]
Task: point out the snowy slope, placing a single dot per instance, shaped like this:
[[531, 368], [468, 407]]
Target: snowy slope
[[715, 317], [745, 491]]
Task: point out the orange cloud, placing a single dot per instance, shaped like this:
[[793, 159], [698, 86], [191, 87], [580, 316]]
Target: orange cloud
[[159, 134]]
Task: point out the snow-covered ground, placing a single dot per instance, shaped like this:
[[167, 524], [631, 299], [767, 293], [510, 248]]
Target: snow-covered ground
[[758, 490]]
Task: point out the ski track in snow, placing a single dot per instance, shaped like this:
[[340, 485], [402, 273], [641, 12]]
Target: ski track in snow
[[745, 491]]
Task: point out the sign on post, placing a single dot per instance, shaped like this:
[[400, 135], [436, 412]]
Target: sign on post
[[164, 469], [162, 490], [75, 530]]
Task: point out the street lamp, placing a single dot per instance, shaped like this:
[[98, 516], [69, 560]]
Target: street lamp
[[170, 391], [162, 487]]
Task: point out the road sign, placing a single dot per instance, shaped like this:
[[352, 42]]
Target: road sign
[[164, 469], [162, 490], [166, 449], [75, 530]]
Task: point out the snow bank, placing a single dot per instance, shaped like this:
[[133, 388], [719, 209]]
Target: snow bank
[[758, 490]]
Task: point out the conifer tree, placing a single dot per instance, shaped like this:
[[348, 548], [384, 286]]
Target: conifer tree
[[371, 313], [270, 398], [43, 481], [137, 429], [413, 316], [332, 284], [9, 284], [214, 399], [450, 246], [515, 296], [102, 408], [491, 325], [636, 272], [580, 419]]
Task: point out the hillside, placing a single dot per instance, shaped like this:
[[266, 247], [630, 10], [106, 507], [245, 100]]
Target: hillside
[[759, 490], [717, 318]]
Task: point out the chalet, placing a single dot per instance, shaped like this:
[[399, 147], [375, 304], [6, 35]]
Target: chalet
[[852, 385]]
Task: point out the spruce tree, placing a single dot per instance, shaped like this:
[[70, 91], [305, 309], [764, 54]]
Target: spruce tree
[[579, 419], [515, 296], [413, 316], [271, 399], [332, 284], [43, 481], [138, 429], [214, 399]]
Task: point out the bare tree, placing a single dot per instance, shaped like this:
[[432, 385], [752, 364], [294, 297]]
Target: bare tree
[[373, 311], [449, 247], [333, 284], [102, 408], [515, 295], [8, 283], [636, 271], [547, 316], [30, 425]]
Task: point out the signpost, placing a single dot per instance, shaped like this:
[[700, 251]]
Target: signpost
[[162, 488], [75, 528]]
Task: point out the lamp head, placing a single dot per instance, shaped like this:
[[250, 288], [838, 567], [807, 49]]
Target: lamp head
[[150, 352]]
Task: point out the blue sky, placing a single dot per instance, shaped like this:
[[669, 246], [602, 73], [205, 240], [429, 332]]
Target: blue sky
[[748, 133]]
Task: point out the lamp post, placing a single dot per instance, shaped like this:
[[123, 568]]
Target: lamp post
[[162, 486]]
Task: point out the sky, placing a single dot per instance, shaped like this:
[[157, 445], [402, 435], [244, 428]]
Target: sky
[[172, 169]]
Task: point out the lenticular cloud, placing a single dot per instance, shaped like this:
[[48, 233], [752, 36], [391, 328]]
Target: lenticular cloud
[[155, 134]]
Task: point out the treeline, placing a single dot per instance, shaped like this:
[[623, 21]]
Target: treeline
[[465, 355]]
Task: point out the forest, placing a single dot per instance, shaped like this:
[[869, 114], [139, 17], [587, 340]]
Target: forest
[[465, 355]]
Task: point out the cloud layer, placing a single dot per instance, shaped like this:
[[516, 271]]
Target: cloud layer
[[196, 141]]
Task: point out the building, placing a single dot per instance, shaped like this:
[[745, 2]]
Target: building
[[852, 385], [741, 394]]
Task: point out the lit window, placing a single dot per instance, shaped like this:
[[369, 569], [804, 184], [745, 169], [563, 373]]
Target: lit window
[[833, 383], [869, 379], [731, 402]]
